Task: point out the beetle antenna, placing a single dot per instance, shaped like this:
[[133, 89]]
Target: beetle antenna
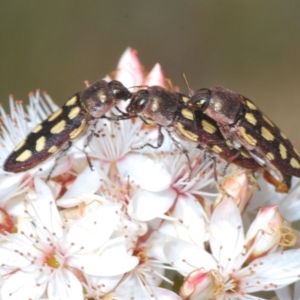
[[187, 83]]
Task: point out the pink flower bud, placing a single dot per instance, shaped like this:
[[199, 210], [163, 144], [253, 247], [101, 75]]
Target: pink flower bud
[[239, 189], [267, 233], [201, 285], [156, 77], [129, 69]]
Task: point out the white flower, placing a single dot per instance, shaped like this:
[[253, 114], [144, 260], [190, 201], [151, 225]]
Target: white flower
[[227, 273], [44, 256], [122, 229]]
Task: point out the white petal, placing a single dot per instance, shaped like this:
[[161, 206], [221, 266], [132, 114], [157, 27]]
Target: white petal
[[186, 257], [64, 285], [144, 293], [108, 266], [95, 228], [46, 212], [145, 206], [21, 286], [9, 184], [227, 236], [271, 272], [82, 185], [148, 173]]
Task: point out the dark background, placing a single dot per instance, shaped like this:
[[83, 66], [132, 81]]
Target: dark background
[[252, 47]]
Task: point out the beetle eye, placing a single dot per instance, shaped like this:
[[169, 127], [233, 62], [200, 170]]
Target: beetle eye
[[142, 102], [199, 104]]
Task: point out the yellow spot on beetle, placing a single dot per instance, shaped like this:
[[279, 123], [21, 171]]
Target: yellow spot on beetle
[[186, 133], [266, 133], [76, 132], [21, 144], [268, 121], [248, 138], [188, 114], [185, 99], [283, 151], [71, 101], [74, 112], [55, 115], [216, 149], [208, 127], [101, 95], [52, 149], [245, 153], [229, 144], [250, 118], [251, 105], [40, 144], [155, 104], [37, 128], [59, 127], [24, 155], [270, 156], [295, 164], [283, 135]]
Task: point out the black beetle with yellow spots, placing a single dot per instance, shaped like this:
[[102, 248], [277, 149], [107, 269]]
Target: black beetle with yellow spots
[[64, 125], [167, 109], [244, 125]]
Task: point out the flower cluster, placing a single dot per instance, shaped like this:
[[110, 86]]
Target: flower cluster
[[143, 223]]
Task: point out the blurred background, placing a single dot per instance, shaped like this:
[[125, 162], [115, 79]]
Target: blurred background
[[251, 47]]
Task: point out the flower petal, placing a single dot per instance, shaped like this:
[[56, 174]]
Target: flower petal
[[227, 236], [147, 173], [270, 272], [64, 285], [145, 205]]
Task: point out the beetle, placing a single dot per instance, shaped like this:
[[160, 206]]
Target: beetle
[[168, 109], [64, 125], [245, 126]]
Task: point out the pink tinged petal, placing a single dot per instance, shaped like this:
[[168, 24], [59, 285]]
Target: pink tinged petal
[[64, 285], [129, 69], [156, 77], [187, 257], [95, 228], [267, 232], [110, 265], [201, 285], [6, 222], [227, 236], [270, 272], [145, 172], [145, 206], [240, 187], [82, 186], [21, 286]]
